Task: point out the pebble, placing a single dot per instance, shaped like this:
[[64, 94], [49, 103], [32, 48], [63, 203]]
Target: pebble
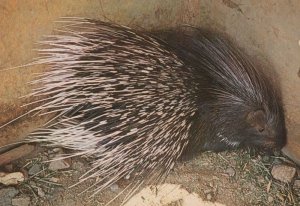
[[59, 165], [34, 169], [207, 191], [260, 179], [57, 150], [11, 178], [230, 171], [209, 196], [54, 179], [6, 194], [40, 192], [283, 173], [114, 188], [270, 199], [297, 185], [266, 158], [22, 201]]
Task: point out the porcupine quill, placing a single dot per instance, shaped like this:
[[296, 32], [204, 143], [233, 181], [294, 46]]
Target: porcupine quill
[[134, 102]]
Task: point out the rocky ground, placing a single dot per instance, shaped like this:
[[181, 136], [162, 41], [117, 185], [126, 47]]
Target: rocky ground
[[228, 178]]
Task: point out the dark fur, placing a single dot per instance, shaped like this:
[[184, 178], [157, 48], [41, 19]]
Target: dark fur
[[253, 117]]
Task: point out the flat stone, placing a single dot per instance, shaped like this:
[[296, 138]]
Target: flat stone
[[54, 179], [6, 194], [41, 193], [11, 178], [270, 199], [266, 158], [15, 154], [57, 150], [209, 196], [34, 169], [22, 201], [230, 171], [283, 173], [297, 185], [59, 165], [114, 188]]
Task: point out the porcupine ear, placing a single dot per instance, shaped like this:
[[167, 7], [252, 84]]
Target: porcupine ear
[[257, 119]]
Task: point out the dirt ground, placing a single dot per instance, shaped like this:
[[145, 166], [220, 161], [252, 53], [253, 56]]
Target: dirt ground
[[267, 29], [231, 178]]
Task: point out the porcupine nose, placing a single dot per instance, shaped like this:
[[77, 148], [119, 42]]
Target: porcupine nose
[[277, 141]]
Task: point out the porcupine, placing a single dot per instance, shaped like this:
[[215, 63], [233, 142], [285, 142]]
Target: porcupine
[[134, 102]]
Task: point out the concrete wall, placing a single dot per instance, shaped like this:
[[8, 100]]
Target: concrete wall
[[268, 30]]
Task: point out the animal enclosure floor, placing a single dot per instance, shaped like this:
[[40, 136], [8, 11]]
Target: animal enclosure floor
[[229, 178]]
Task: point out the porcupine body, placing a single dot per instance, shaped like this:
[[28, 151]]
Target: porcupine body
[[134, 103]]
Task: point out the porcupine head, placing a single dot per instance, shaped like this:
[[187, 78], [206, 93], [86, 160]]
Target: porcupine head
[[239, 105]]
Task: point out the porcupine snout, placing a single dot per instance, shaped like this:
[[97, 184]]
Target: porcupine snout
[[267, 133]]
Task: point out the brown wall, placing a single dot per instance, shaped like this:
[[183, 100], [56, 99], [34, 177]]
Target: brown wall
[[269, 30]]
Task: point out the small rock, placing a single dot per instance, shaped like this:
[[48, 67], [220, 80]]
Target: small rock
[[24, 201], [40, 192], [207, 191], [260, 179], [57, 150], [51, 156], [114, 188], [283, 173], [11, 178], [32, 183], [34, 169], [78, 166], [230, 171], [266, 158], [59, 165], [209, 196], [270, 199], [54, 179], [52, 153], [6, 195], [297, 184]]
